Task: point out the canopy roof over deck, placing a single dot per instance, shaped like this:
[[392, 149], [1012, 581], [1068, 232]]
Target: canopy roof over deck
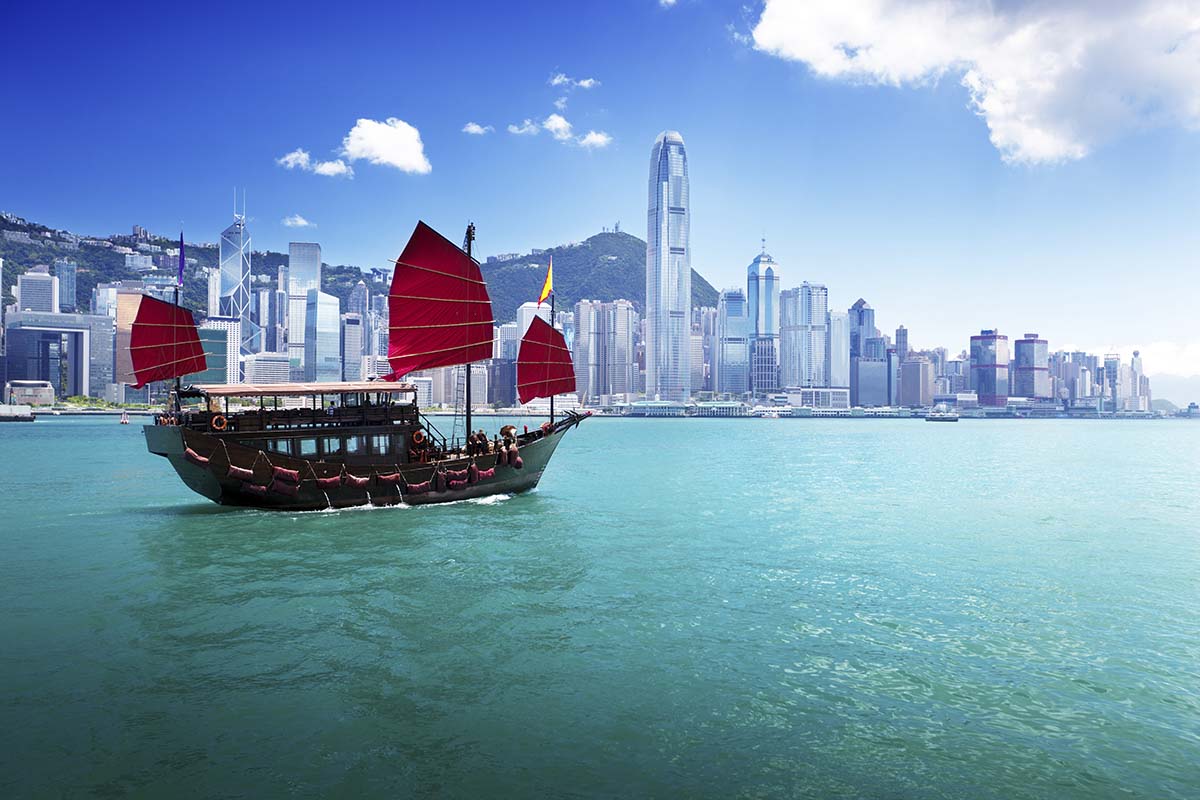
[[302, 389]]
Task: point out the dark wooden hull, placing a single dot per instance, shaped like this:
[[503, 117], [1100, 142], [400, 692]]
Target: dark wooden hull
[[214, 481]]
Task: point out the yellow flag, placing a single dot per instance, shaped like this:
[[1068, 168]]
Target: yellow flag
[[548, 286]]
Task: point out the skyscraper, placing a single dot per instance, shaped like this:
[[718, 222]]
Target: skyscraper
[[235, 282], [731, 362], [762, 302], [1032, 359], [38, 290], [214, 293], [352, 347], [65, 271], [358, 302], [322, 338], [303, 275], [989, 367], [837, 351], [668, 272], [902, 343], [862, 326], [804, 336]]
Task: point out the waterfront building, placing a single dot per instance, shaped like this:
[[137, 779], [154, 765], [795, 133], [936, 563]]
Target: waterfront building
[[508, 342], [732, 359], [234, 255], [322, 338], [1031, 368], [668, 272], [893, 372], [374, 367], [603, 349], [837, 351], [66, 270], [38, 290], [74, 352], [762, 301], [916, 382], [233, 335], [352, 347], [902, 343], [804, 336], [989, 367], [818, 397], [868, 382]]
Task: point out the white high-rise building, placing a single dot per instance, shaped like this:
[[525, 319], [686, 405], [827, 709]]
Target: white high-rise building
[[233, 335], [37, 290], [267, 368], [731, 359], [762, 303], [837, 358], [525, 314], [352, 347], [804, 336], [668, 272], [214, 293]]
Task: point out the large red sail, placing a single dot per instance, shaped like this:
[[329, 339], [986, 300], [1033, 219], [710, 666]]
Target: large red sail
[[544, 366], [439, 310], [163, 342]]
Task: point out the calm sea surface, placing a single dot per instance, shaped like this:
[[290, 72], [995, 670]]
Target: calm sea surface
[[703, 608]]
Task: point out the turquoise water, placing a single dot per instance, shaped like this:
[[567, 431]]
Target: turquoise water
[[703, 608]]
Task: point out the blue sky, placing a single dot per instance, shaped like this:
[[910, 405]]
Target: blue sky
[[862, 161]]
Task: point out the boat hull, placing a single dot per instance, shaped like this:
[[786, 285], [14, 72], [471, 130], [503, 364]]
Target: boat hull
[[213, 479]]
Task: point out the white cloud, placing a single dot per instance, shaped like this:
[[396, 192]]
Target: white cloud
[[297, 159], [301, 159], [526, 128], [297, 221], [1052, 81], [333, 168], [392, 143], [666, 3], [475, 129], [558, 126], [595, 140], [561, 103], [564, 80]]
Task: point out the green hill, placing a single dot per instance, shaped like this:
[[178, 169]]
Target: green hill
[[608, 266]]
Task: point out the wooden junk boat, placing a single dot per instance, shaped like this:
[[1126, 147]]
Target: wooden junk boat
[[353, 444]]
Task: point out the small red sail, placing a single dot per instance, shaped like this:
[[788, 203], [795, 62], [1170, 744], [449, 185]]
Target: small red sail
[[163, 342], [544, 366], [439, 309]]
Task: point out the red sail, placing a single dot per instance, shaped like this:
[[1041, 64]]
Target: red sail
[[544, 366], [163, 342], [439, 309]]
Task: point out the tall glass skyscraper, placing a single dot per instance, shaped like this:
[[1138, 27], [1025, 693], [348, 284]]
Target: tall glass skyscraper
[[668, 272], [762, 300], [322, 338], [805, 337], [304, 267], [731, 361], [235, 283], [989, 367]]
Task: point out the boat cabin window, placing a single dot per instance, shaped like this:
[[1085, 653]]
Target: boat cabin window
[[308, 447], [354, 445], [381, 444], [283, 446], [331, 445]]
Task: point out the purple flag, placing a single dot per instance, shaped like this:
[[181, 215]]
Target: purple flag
[[181, 258]]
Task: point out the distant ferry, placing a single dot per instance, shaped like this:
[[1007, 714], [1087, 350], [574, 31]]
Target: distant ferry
[[353, 444], [942, 413]]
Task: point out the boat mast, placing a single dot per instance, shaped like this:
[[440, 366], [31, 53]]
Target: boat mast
[[551, 325], [470, 237], [174, 332]]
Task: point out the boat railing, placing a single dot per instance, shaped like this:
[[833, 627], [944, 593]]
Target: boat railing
[[436, 436]]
